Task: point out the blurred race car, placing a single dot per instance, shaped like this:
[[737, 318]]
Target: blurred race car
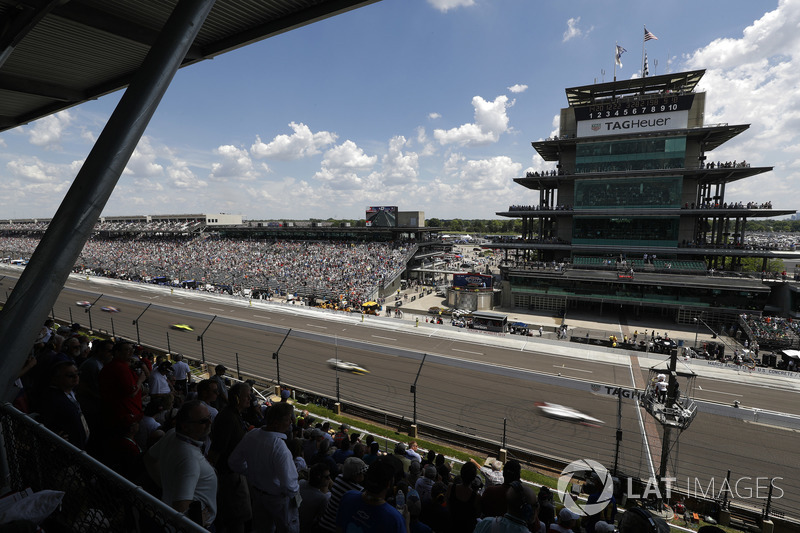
[[182, 327], [110, 309], [344, 366], [84, 304], [562, 412]]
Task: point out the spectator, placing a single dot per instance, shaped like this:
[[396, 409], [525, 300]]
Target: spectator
[[566, 521], [182, 374], [374, 453], [160, 387], [61, 412], [435, 513], [351, 478], [121, 382], [463, 501], [547, 510], [228, 429], [88, 391], [222, 388], [262, 456], [176, 462], [341, 435], [493, 474], [208, 392], [639, 520], [521, 514], [343, 452], [412, 452], [368, 512], [400, 453], [315, 493], [425, 483], [495, 497]]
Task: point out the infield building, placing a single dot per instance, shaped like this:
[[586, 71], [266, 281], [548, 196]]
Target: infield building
[[635, 216]]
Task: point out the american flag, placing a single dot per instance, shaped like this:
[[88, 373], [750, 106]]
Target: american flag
[[648, 36]]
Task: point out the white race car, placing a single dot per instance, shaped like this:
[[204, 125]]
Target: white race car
[[562, 412], [344, 366]]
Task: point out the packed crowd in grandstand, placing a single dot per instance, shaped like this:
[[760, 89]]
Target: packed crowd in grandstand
[[324, 269]]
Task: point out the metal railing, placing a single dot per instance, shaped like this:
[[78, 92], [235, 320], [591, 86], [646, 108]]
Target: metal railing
[[95, 497]]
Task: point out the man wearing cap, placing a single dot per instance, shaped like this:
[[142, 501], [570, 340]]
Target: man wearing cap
[[352, 476], [219, 379], [182, 374], [341, 435], [400, 453], [566, 521], [493, 473], [264, 458], [425, 483]]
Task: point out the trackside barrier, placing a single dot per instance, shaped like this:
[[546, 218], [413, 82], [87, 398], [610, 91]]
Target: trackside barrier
[[96, 498]]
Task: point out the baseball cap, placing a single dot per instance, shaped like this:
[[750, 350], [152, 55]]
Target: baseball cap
[[604, 527], [352, 467], [565, 515], [400, 448], [344, 426]]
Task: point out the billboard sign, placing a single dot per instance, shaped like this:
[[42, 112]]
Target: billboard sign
[[382, 217]]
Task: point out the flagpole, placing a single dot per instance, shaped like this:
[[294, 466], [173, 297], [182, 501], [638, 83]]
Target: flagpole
[[616, 44], [643, 41]]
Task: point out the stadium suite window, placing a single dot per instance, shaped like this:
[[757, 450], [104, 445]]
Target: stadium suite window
[[627, 193]]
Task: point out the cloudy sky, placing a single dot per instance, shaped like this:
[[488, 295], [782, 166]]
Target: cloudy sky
[[429, 105]]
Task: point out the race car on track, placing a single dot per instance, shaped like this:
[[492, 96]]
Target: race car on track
[[182, 327], [110, 309], [562, 412], [344, 366], [84, 304]]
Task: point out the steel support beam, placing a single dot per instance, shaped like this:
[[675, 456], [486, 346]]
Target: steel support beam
[[49, 267]]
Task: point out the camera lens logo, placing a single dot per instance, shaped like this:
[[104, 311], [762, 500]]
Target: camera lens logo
[[595, 469]]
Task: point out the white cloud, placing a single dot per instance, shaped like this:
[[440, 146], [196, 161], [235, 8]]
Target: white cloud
[[399, 168], [573, 30], [302, 143], [428, 148], [235, 164], [754, 80], [518, 88], [434, 116], [143, 160], [47, 132], [445, 5], [491, 120], [341, 165]]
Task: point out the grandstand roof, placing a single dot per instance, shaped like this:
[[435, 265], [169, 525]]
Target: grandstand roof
[[55, 54]]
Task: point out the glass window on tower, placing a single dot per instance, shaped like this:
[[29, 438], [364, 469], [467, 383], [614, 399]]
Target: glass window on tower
[[625, 193], [633, 154]]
